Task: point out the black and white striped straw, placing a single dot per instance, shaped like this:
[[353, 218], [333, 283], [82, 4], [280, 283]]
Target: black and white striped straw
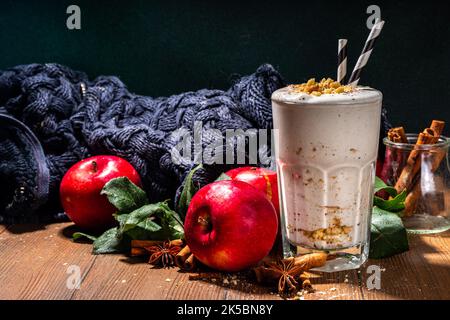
[[342, 60], [365, 54]]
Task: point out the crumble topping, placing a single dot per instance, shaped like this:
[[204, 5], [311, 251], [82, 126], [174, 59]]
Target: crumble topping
[[325, 86], [331, 234]]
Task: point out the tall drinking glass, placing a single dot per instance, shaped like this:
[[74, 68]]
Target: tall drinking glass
[[326, 150]]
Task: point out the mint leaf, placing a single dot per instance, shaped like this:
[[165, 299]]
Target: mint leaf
[[121, 218], [141, 215], [108, 242], [149, 225], [189, 189], [170, 221], [388, 235], [223, 176], [396, 204], [79, 235], [153, 222], [124, 194], [380, 185], [142, 232], [136, 218]]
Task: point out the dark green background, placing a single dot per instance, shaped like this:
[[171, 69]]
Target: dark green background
[[167, 47]]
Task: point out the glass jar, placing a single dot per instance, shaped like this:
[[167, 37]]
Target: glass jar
[[427, 205]]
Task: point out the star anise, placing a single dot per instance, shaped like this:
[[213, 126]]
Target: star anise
[[284, 272], [163, 255], [287, 271]]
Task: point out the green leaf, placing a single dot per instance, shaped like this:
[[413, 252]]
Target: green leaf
[[139, 233], [388, 235], [149, 225], [153, 222], [141, 215], [170, 221], [223, 176], [121, 218], [396, 204], [79, 235], [124, 194], [380, 185], [137, 219], [189, 189], [109, 242]]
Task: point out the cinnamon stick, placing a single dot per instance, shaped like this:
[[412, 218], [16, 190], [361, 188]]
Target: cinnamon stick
[[393, 160], [182, 256], [311, 260], [438, 127], [397, 135], [190, 263], [413, 163], [136, 252], [138, 246], [411, 201], [185, 260]]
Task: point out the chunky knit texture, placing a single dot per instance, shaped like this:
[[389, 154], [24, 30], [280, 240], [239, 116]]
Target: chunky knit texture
[[74, 117]]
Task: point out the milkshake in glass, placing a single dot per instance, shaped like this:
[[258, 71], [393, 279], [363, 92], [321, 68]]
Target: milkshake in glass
[[326, 143]]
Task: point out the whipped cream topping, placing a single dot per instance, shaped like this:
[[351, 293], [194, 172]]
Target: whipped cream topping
[[361, 94]]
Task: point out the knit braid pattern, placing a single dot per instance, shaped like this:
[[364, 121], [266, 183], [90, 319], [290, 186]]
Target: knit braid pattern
[[74, 117]]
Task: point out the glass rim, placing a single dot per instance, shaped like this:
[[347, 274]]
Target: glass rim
[[443, 142]]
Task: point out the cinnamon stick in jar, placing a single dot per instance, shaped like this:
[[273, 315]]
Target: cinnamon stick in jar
[[397, 135], [412, 200], [394, 159], [438, 127], [413, 163]]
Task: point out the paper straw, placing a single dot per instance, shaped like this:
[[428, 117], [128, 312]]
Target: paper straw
[[342, 60], [365, 54]]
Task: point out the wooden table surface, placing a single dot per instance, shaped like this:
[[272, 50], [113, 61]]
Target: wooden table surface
[[36, 262]]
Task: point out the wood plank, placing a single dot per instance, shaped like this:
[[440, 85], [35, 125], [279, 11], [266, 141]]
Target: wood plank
[[327, 286], [335, 286], [236, 286], [421, 273], [34, 260], [119, 277]]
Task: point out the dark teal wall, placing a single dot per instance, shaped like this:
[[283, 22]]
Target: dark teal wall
[[166, 47]]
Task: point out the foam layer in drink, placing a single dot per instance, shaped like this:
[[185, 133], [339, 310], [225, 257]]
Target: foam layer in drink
[[326, 148]]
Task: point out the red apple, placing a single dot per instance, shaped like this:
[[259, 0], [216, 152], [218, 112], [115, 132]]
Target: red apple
[[230, 225], [262, 179], [81, 186]]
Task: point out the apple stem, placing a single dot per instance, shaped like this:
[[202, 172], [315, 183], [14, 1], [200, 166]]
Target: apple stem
[[94, 166], [203, 221]]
